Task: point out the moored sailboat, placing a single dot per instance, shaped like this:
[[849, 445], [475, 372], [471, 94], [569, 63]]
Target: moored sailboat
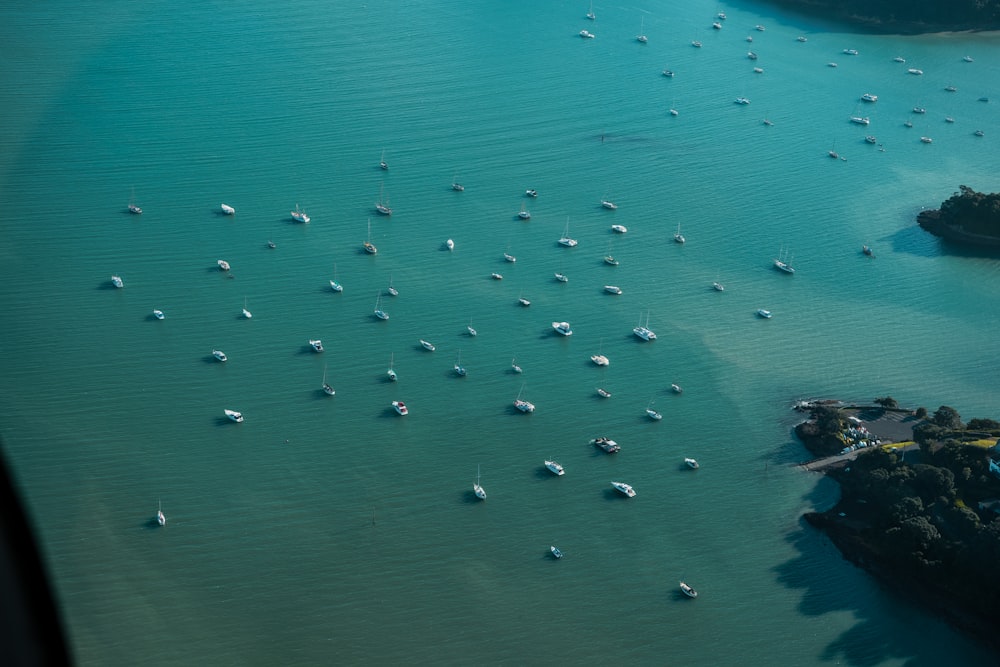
[[477, 488], [327, 389]]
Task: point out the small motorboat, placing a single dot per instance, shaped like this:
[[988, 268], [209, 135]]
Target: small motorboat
[[562, 328], [603, 393], [400, 408], [234, 415], [158, 314], [449, 244], [228, 210], [509, 258], [531, 193], [624, 489], [562, 278], [607, 444], [676, 388], [427, 345], [555, 553], [496, 276], [619, 229], [524, 302], [718, 287], [220, 355], [223, 265], [316, 345], [766, 314], [586, 34], [691, 463], [653, 414], [612, 289], [688, 590], [117, 282], [555, 468], [608, 204]]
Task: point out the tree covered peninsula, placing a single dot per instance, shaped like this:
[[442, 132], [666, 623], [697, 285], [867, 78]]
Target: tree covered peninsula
[[968, 217], [924, 519], [904, 16]]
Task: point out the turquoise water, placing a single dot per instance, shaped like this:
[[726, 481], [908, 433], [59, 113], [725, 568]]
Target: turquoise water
[[330, 529]]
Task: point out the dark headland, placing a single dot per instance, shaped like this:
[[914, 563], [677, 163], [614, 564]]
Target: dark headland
[[967, 217], [902, 16], [920, 514]]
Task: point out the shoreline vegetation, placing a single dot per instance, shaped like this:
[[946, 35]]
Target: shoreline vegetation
[[903, 17], [920, 514], [967, 217]]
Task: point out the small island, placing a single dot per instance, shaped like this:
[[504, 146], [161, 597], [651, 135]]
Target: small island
[[922, 516], [967, 217]]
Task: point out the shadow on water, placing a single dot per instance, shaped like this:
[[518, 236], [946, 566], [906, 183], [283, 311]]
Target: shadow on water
[[886, 628]]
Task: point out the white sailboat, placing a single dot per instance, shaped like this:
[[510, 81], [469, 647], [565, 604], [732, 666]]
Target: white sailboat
[[643, 331], [334, 285], [472, 331], [160, 518], [382, 205], [391, 373], [565, 239], [459, 368], [590, 13], [379, 313], [132, 207], [599, 358], [651, 413], [477, 487], [522, 405], [298, 215], [383, 165], [392, 290], [369, 246], [641, 37], [678, 237], [246, 313], [782, 262], [514, 367], [327, 389]]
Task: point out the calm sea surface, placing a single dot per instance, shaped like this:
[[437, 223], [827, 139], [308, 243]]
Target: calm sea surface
[[329, 530]]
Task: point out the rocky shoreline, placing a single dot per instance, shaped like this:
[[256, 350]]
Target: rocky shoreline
[[932, 221], [869, 532]]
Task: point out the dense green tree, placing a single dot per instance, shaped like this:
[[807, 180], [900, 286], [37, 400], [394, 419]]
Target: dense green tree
[[947, 417], [983, 425], [933, 482], [887, 402]]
